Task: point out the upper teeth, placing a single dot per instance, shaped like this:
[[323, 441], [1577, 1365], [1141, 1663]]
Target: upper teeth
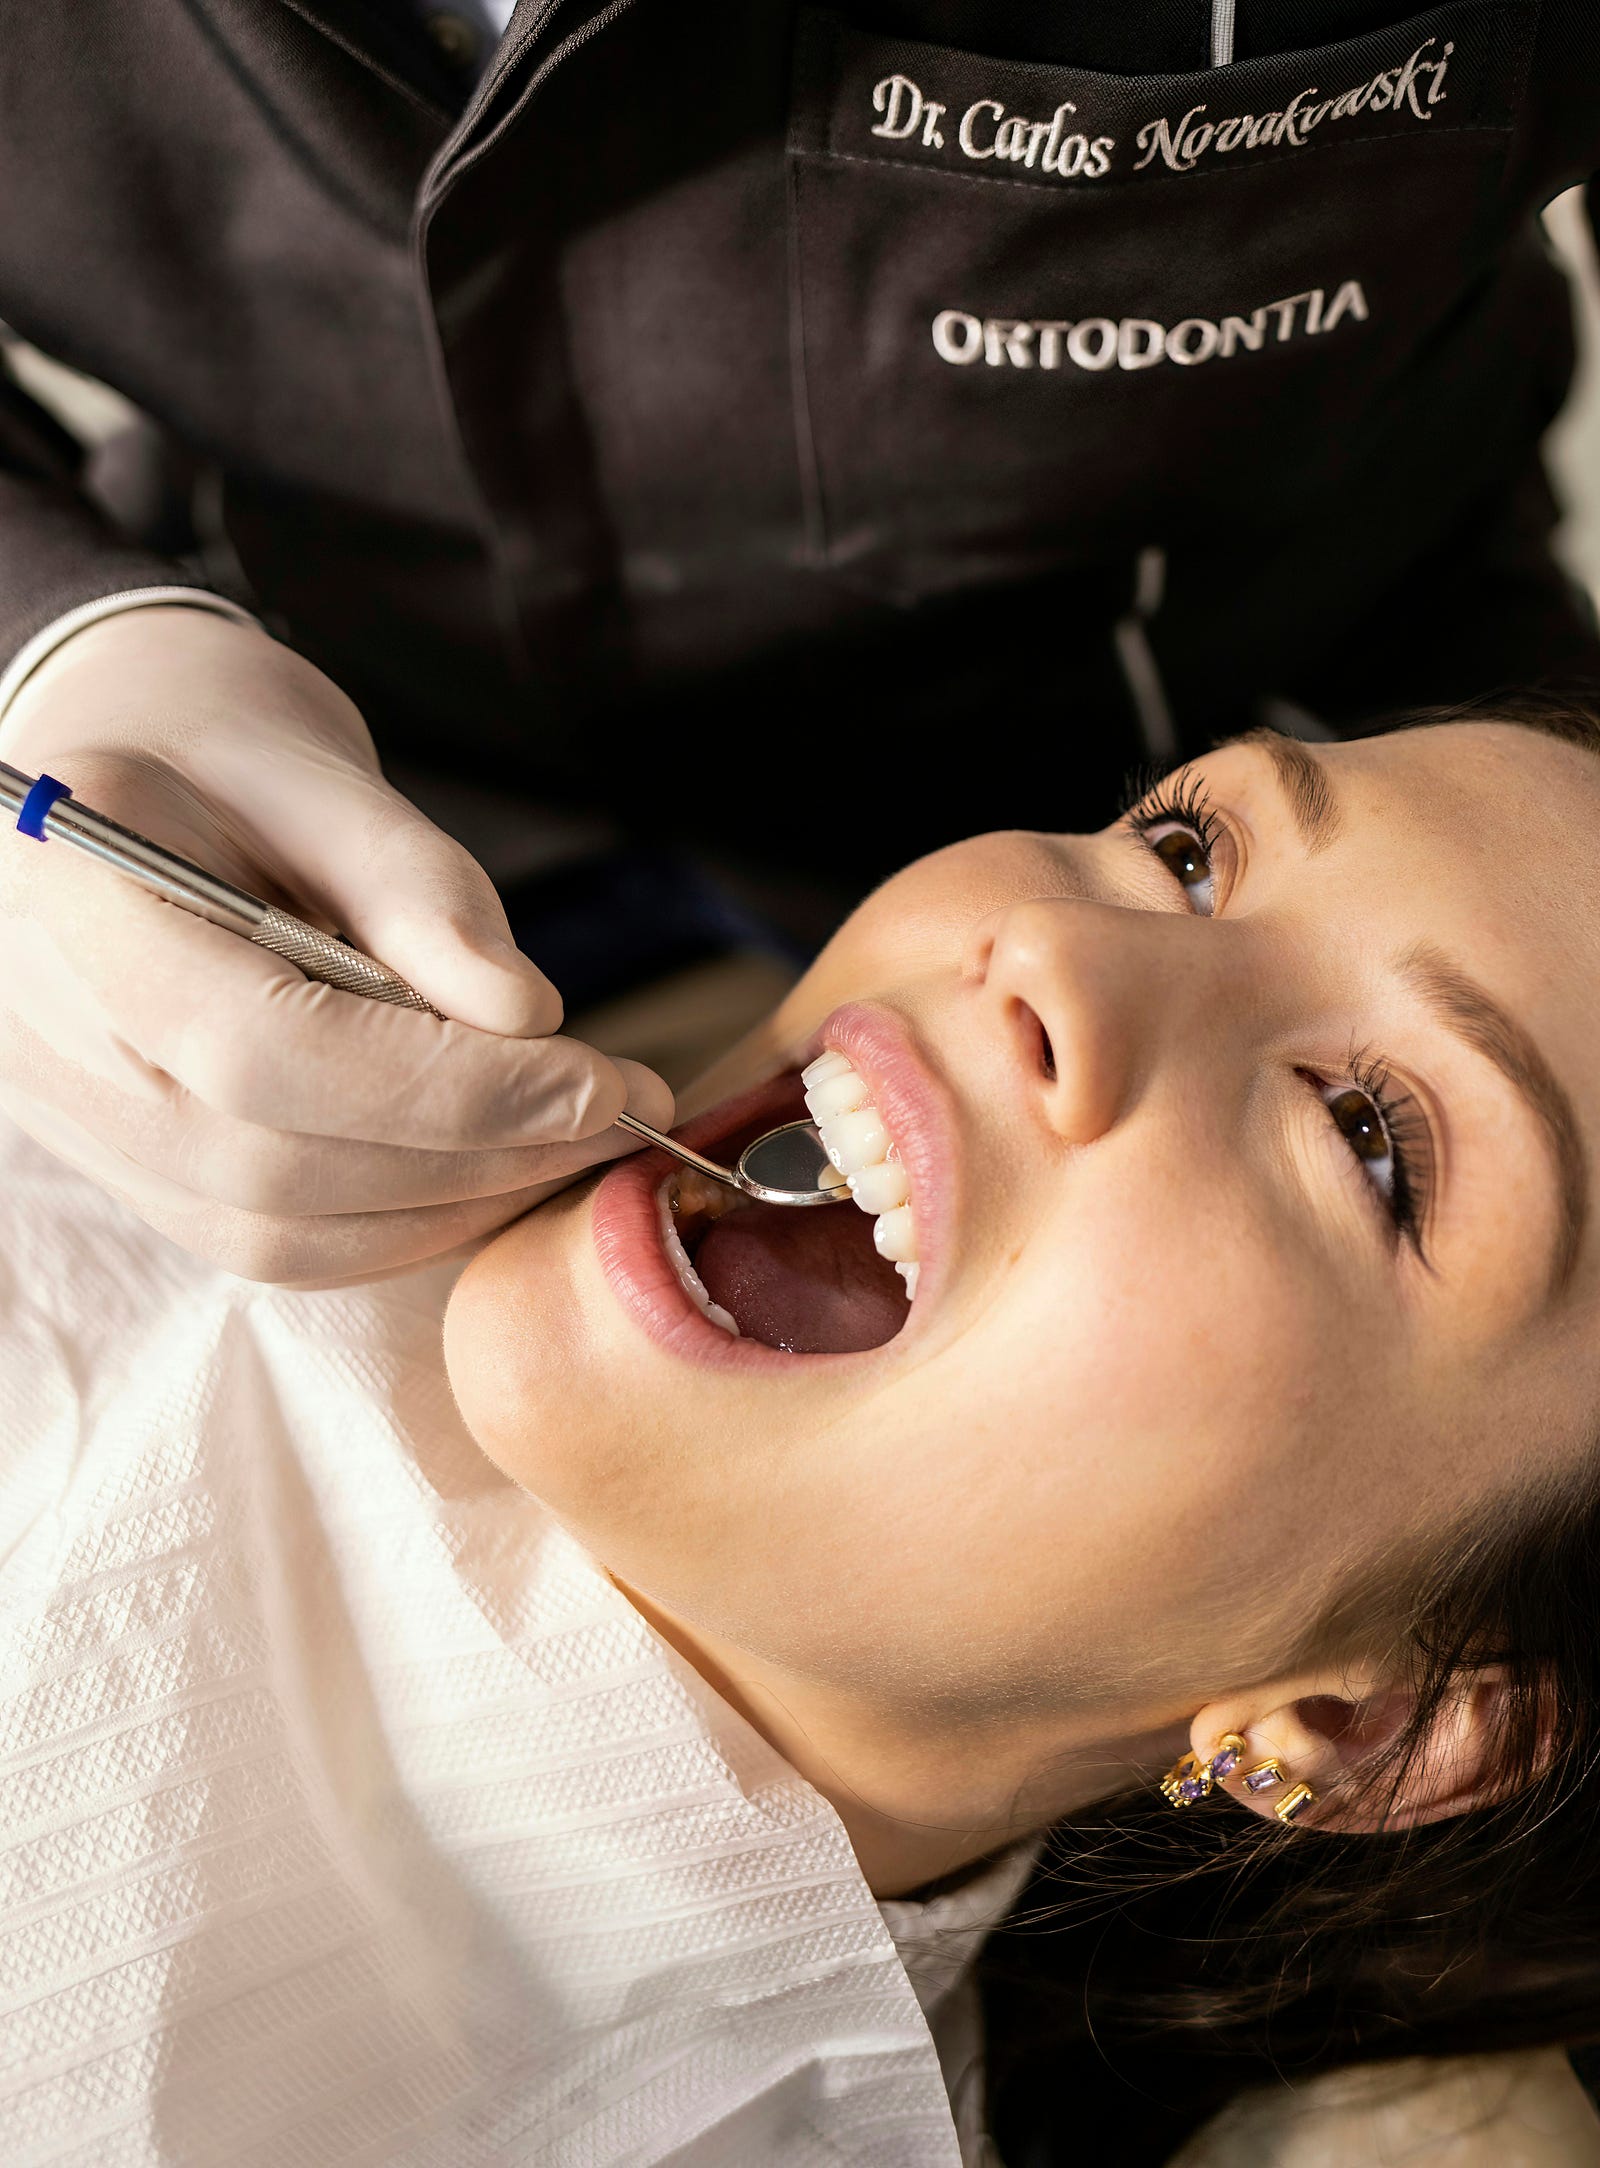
[[856, 1141]]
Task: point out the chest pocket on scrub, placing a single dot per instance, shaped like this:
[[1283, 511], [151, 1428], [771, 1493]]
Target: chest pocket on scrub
[[1043, 316]]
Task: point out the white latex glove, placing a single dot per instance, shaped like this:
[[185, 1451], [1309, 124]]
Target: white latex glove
[[278, 1127]]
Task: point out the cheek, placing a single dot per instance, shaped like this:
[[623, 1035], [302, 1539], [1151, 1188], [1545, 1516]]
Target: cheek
[[1201, 1367], [1131, 1419]]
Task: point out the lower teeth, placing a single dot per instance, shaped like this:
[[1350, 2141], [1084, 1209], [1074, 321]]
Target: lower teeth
[[700, 1197], [688, 1203], [668, 1200]]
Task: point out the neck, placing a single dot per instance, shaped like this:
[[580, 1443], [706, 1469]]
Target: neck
[[918, 1806]]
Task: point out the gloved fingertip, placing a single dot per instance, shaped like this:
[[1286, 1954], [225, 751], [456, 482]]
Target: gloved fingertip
[[508, 994], [649, 1096]]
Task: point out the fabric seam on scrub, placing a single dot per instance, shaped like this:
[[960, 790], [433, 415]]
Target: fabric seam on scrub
[[1140, 670], [1222, 12]]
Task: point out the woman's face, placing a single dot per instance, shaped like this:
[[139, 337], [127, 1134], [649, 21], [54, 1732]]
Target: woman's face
[[1247, 1243]]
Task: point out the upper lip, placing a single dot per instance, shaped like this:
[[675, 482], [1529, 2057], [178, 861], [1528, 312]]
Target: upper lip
[[918, 1113]]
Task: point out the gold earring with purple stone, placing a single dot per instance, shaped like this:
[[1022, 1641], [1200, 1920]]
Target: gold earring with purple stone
[[1187, 1780], [1266, 1776], [1190, 1778], [1263, 1776], [1293, 1804], [1229, 1754]]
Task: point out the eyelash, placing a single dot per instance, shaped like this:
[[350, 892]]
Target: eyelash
[[1405, 1128], [1181, 799]]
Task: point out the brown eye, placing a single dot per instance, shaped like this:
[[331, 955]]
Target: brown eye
[[1184, 856], [1386, 1134], [1360, 1124], [1175, 824]]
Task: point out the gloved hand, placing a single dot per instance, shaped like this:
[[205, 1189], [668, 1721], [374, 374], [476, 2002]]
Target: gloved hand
[[281, 1128]]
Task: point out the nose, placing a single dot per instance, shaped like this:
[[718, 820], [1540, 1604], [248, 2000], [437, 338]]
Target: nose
[[1091, 993]]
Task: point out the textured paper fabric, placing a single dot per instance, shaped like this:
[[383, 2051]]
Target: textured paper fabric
[[348, 1813], [937, 1942]]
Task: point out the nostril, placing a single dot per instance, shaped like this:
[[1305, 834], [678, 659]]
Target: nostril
[[1035, 1036]]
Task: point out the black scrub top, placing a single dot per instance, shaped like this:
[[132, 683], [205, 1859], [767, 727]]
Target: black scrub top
[[816, 394]]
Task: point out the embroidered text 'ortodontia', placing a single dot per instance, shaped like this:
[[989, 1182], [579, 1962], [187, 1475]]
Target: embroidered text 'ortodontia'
[[1138, 342]]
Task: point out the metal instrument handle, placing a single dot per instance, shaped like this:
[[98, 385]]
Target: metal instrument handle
[[685, 1152], [336, 963], [178, 880]]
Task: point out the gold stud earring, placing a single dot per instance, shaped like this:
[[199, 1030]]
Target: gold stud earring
[[1263, 1776], [1229, 1754], [1293, 1804]]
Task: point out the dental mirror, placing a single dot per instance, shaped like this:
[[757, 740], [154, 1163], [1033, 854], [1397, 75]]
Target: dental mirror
[[786, 1166]]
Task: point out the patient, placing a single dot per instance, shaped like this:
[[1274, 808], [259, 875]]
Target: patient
[[1199, 1387], [1237, 1158]]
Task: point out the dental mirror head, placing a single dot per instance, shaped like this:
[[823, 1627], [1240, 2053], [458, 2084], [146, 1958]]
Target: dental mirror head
[[791, 1166], [786, 1166]]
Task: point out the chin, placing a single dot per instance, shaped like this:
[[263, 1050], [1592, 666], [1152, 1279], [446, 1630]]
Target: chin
[[517, 1336]]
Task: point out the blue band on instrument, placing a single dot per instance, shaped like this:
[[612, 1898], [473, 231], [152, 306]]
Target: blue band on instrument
[[43, 795]]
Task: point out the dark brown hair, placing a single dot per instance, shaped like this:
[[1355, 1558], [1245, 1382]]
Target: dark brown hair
[[1158, 1961]]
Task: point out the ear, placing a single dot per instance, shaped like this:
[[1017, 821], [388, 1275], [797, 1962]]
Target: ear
[[1326, 1729]]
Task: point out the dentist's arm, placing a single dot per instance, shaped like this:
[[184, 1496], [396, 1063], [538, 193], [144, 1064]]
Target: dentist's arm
[[279, 1127]]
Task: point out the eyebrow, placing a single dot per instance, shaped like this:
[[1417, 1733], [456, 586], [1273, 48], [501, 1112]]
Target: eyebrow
[[1475, 1017], [1460, 1004], [1305, 785]]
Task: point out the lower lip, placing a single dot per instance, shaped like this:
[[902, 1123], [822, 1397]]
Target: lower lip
[[627, 1238]]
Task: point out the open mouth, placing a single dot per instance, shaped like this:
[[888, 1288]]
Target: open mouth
[[705, 1266], [811, 1283]]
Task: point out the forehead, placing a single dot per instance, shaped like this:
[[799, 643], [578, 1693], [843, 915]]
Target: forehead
[[1484, 835], [1513, 781], [1502, 815]]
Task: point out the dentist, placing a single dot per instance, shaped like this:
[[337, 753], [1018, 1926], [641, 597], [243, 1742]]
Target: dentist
[[912, 412]]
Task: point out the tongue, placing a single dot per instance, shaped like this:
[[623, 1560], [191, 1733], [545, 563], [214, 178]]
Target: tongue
[[808, 1281]]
